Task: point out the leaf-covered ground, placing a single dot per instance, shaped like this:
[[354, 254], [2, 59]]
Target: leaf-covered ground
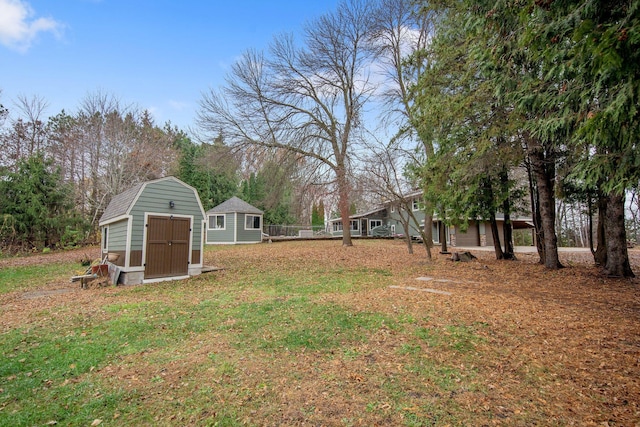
[[313, 333]]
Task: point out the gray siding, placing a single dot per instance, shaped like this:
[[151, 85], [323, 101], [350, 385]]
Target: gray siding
[[155, 200], [223, 236], [117, 236], [394, 218], [247, 236]]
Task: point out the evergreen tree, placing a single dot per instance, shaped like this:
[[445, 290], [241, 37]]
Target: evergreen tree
[[39, 205], [567, 74], [317, 215], [210, 169], [270, 190], [475, 139]]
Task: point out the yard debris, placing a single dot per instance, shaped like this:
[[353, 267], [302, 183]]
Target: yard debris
[[45, 293], [411, 288], [210, 268], [463, 256], [97, 269], [96, 282], [446, 281]]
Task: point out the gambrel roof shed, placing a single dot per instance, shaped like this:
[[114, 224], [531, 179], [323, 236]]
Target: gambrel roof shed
[[157, 230]]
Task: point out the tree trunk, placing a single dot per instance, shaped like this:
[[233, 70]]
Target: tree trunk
[[343, 203], [507, 234], [507, 230], [428, 228], [600, 254], [615, 235], [496, 237], [590, 224], [407, 235], [535, 212], [544, 173], [443, 239]]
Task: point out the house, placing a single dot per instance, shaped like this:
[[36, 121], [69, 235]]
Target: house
[[156, 230], [234, 222], [476, 233], [360, 224]]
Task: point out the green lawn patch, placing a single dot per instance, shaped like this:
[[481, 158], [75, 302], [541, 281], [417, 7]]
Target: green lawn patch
[[35, 276]]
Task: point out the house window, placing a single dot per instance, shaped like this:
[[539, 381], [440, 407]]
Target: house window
[[216, 222], [373, 223], [393, 229], [393, 207], [415, 205], [252, 222], [104, 238], [337, 226]]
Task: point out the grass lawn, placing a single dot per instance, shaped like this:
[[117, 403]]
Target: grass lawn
[[313, 333]]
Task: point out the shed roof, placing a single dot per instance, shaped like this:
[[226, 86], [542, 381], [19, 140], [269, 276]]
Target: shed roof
[[235, 204], [122, 203]]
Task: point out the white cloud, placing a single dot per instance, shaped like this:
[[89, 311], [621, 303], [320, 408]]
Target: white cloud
[[178, 105], [18, 28]]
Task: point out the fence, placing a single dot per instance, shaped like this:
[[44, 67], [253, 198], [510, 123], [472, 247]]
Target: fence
[[296, 231]]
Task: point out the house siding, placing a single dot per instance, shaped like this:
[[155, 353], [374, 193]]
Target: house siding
[[117, 236], [394, 219], [116, 241], [223, 236], [247, 236]]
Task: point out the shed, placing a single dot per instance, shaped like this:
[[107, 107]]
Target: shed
[[234, 222], [157, 228]]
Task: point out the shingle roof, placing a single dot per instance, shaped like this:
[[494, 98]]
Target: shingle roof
[[120, 204], [235, 204], [361, 215]]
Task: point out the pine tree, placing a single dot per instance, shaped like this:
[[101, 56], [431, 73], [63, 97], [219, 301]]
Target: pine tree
[[39, 204]]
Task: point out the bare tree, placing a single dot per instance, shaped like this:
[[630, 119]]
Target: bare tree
[[121, 147], [307, 100], [385, 175], [27, 133], [3, 112], [401, 38]]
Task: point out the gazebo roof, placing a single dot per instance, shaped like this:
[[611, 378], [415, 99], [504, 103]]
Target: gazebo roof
[[235, 204]]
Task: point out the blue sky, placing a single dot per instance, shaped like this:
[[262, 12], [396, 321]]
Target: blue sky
[[159, 55]]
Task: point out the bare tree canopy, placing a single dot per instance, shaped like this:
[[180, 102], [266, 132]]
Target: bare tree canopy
[[400, 38], [306, 99]]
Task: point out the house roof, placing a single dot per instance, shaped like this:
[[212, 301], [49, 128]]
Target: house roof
[[405, 196], [235, 204], [362, 215], [122, 203]]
